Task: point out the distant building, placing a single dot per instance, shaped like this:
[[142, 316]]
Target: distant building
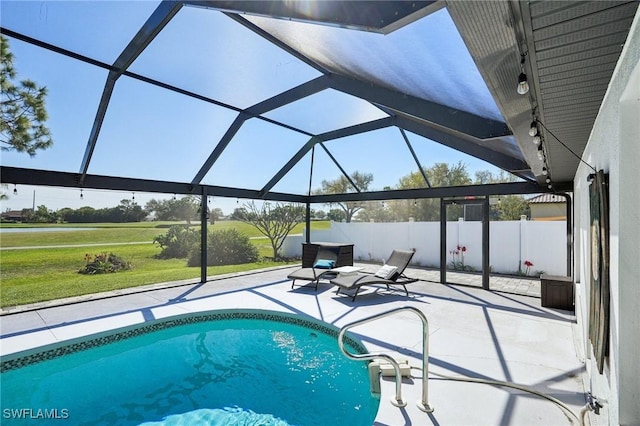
[[12, 216], [548, 207]]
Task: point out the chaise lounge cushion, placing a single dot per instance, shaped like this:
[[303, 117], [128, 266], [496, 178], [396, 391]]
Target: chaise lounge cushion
[[325, 261], [386, 272], [324, 264], [393, 269]]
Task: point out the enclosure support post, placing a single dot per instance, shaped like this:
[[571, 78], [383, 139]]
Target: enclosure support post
[[443, 241], [203, 235], [307, 237], [485, 244]]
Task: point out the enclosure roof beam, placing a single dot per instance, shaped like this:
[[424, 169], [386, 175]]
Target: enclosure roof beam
[[440, 192], [459, 143], [356, 129], [22, 176], [285, 47], [415, 157], [431, 112], [290, 164], [220, 147], [150, 29], [343, 171], [306, 89]]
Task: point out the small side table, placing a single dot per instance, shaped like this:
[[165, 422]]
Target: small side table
[[556, 292]]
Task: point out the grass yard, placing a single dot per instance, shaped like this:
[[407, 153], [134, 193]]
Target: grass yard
[[42, 274], [38, 275]]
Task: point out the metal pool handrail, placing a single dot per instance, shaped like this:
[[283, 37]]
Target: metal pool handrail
[[398, 402]]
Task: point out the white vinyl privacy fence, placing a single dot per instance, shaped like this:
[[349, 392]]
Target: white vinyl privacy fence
[[511, 243]]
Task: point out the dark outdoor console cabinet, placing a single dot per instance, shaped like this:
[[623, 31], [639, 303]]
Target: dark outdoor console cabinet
[[344, 251], [556, 292]]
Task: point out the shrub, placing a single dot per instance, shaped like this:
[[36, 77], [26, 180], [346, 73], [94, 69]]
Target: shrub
[[226, 247], [178, 242], [103, 263]]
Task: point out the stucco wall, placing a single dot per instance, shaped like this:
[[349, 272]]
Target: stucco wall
[[614, 146]]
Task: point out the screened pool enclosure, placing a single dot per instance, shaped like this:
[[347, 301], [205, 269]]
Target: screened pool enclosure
[[265, 100]]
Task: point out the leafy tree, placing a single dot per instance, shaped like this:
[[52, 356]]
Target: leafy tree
[[22, 109], [342, 186], [238, 213], [84, 214], [336, 215], [64, 213], [27, 215], [273, 221], [185, 208], [126, 211], [215, 214], [44, 215], [377, 211], [509, 207], [440, 174], [319, 214]]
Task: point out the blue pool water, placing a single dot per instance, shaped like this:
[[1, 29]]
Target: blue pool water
[[256, 368]]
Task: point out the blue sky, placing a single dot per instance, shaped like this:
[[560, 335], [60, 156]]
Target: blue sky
[[152, 133]]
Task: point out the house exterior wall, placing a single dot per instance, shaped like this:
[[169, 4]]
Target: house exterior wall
[[614, 146]]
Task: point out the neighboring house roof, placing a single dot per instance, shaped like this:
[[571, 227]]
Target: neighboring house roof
[[13, 213], [547, 198]]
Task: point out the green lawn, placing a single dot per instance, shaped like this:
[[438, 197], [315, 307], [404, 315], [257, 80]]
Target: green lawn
[[36, 275]]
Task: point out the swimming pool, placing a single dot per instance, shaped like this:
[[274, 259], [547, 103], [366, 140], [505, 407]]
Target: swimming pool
[[246, 367]]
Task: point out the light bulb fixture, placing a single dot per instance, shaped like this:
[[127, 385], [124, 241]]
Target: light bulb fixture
[[540, 153], [533, 130], [545, 171], [133, 196], [523, 84], [81, 195], [536, 140], [548, 180], [15, 189]]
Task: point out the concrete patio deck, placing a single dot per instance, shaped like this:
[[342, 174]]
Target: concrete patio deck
[[482, 334]]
